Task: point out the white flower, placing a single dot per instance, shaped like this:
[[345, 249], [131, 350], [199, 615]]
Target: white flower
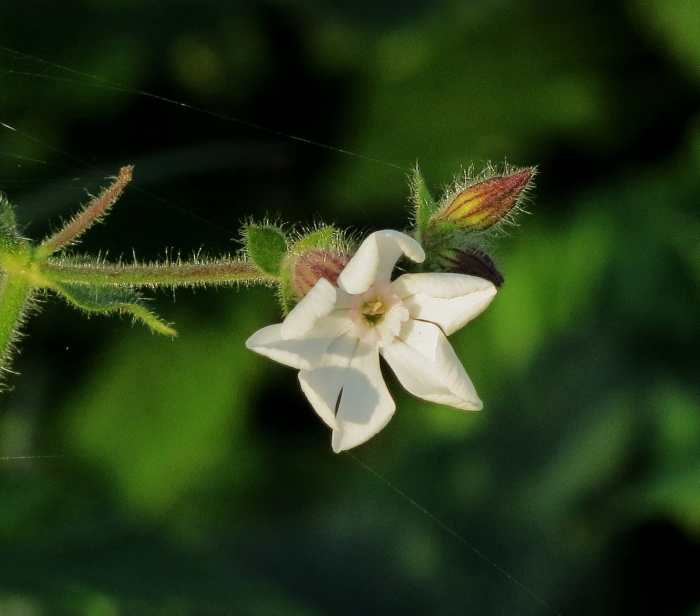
[[334, 336]]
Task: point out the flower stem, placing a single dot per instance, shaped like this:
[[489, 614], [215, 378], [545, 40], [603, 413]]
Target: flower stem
[[221, 271]]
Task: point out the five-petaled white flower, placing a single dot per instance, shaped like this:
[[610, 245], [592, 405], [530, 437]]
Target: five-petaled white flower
[[334, 336]]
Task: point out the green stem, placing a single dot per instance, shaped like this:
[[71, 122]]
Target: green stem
[[15, 292], [224, 271]]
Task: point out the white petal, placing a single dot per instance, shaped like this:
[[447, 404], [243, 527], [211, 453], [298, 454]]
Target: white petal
[[449, 300], [323, 384], [348, 392], [426, 365], [304, 353], [315, 304], [365, 403], [375, 260], [342, 300]]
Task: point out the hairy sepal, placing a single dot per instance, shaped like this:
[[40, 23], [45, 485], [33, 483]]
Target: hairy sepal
[[266, 246], [423, 203]]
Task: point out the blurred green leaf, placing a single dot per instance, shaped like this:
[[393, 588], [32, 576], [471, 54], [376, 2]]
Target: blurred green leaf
[[164, 420], [471, 86], [590, 456], [675, 24]]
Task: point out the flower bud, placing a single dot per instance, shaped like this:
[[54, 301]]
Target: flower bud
[[472, 263], [485, 203], [313, 265]]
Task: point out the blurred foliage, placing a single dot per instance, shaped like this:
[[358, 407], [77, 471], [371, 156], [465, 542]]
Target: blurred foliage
[[192, 477]]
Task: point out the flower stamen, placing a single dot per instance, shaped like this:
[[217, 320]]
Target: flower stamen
[[377, 315], [373, 311]]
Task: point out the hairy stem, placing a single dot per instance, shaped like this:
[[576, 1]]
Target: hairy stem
[[224, 271], [15, 292]]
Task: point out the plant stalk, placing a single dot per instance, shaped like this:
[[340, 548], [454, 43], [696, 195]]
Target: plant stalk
[[225, 271], [15, 293]]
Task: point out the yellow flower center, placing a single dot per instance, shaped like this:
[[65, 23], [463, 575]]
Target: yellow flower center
[[377, 315], [373, 311]]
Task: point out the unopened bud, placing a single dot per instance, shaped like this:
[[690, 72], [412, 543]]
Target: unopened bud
[[472, 263], [313, 265], [485, 203]]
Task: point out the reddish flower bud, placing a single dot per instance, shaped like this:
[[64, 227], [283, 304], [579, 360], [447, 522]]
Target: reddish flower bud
[[485, 203], [314, 265], [472, 263]]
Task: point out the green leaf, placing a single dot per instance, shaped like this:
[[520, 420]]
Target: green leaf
[[112, 299], [8, 222], [9, 233], [15, 298], [423, 201], [267, 246]]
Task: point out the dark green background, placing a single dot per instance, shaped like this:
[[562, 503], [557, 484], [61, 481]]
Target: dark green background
[[196, 480]]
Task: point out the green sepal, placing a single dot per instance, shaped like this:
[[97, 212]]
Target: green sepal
[[112, 299], [325, 237], [267, 246], [423, 202]]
